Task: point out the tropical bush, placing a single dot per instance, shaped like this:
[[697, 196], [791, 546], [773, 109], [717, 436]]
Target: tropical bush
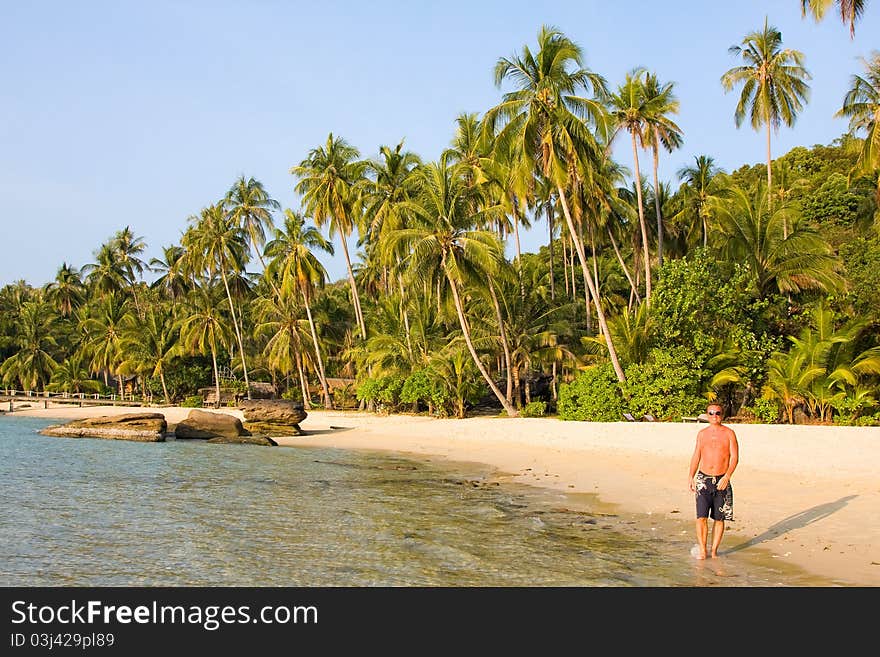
[[594, 396], [534, 409], [667, 386]]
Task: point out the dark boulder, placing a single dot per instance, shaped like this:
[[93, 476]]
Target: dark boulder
[[143, 427], [205, 424], [274, 417]]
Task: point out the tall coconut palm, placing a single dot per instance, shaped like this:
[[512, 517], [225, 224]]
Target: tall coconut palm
[[103, 329], [444, 247], [280, 318], [850, 11], [328, 182], [294, 263], [149, 346], [67, 292], [774, 84], [631, 109], [660, 131], [221, 245], [204, 328], [547, 122], [107, 275], [862, 105], [251, 207]]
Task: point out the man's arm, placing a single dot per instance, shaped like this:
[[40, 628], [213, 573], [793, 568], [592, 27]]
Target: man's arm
[[695, 463], [732, 463]]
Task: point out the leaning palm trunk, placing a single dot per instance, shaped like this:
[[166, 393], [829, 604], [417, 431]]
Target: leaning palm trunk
[[216, 374], [235, 325], [328, 402], [632, 285], [612, 352], [503, 335], [511, 411], [354, 291], [307, 402]]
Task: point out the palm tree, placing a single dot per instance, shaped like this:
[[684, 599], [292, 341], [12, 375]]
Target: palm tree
[[631, 109], [32, 364], [300, 272], [107, 275], [221, 245], [203, 328], [390, 184], [780, 260], [699, 190], [102, 331], [546, 122], [67, 291], [280, 318], [150, 345], [328, 180], [661, 131], [774, 83], [862, 105], [850, 11], [250, 206], [443, 247], [174, 281], [72, 375]]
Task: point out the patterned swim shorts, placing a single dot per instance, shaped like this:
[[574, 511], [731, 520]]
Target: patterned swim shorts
[[711, 502]]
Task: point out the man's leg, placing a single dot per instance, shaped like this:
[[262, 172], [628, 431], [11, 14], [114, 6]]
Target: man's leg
[[702, 535], [717, 533]]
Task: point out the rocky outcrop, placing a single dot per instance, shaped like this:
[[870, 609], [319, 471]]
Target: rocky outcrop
[[245, 440], [273, 417], [143, 427], [204, 424]]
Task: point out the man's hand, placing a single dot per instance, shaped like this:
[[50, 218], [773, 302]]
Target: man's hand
[[691, 486], [723, 482]]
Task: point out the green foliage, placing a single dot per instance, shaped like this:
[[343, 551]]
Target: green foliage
[[667, 386], [861, 259], [699, 298], [422, 388], [185, 378], [765, 411], [534, 409], [383, 391], [193, 401], [594, 396], [832, 203]]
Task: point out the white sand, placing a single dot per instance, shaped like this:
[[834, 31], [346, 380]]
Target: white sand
[[808, 494]]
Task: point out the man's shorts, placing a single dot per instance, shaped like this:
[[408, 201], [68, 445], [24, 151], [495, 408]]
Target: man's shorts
[[711, 502]]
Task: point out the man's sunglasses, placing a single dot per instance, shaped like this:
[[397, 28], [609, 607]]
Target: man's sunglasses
[[714, 412]]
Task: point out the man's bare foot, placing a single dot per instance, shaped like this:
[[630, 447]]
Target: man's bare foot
[[714, 555]]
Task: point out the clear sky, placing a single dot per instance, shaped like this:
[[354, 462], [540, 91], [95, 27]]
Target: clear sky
[[120, 113]]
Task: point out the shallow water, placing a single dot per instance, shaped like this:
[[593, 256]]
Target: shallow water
[[91, 512]]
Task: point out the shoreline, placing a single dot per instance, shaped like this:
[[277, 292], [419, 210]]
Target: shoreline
[[806, 495]]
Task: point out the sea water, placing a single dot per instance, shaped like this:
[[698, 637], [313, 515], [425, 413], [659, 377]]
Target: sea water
[[93, 512]]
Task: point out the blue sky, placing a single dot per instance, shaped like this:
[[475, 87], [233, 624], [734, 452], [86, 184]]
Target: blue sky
[[140, 114]]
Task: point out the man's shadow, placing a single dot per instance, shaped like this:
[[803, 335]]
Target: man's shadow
[[796, 521]]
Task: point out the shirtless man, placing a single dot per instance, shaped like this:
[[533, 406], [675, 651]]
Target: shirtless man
[[715, 458]]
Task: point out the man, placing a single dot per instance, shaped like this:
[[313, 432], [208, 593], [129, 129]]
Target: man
[[715, 457]]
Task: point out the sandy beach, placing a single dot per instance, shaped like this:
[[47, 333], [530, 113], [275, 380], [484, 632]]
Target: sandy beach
[[806, 495]]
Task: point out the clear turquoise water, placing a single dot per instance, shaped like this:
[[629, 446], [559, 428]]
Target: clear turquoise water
[[91, 512]]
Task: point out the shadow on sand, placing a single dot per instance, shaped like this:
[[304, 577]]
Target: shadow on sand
[[796, 521], [332, 429]]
